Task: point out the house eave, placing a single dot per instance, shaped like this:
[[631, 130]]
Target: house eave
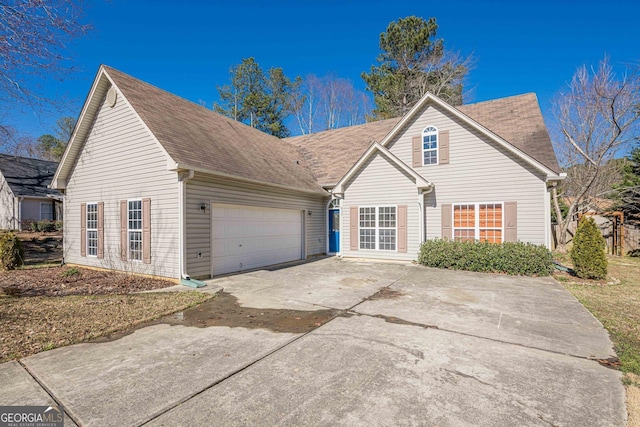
[[178, 167], [421, 183]]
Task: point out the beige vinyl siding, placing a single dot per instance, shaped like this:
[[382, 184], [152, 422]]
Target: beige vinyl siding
[[209, 189], [8, 207], [479, 170], [381, 183], [121, 160]]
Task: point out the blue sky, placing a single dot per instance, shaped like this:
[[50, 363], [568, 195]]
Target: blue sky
[[187, 47]]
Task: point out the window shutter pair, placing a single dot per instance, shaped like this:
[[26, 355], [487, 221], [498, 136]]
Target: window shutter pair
[[510, 221], [443, 149], [83, 230], [401, 227], [146, 230]]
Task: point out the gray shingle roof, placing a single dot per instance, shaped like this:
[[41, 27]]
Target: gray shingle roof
[[201, 138], [331, 153], [28, 177], [516, 119]]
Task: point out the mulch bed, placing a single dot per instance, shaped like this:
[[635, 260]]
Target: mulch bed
[[62, 281]]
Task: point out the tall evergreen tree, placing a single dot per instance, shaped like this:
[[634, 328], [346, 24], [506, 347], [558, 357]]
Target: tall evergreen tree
[[629, 192], [260, 100], [413, 62]]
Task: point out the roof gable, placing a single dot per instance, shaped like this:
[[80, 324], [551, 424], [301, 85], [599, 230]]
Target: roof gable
[[28, 177], [376, 148], [514, 122], [512, 128], [194, 137]]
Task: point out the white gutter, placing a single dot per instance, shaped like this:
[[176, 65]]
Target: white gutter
[[182, 214]]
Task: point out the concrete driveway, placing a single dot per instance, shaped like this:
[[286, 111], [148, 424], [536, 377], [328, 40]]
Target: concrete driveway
[[392, 344]]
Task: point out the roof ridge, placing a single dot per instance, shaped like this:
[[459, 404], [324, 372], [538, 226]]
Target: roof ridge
[[306, 135], [27, 158], [497, 99], [202, 107]]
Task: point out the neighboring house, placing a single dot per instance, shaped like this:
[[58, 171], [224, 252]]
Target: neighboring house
[[24, 196], [158, 185]]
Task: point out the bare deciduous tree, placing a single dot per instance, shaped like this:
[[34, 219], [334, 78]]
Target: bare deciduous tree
[[34, 36], [329, 102], [596, 116]]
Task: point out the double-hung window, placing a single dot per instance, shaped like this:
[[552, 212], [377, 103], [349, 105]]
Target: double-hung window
[[478, 221], [430, 146], [378, 228], [92, 229], [134, 229]]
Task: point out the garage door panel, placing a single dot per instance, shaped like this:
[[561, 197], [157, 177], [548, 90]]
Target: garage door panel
[[252, 237]]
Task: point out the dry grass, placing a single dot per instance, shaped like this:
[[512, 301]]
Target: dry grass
[[633, 401], [616, 303], [34, 324]]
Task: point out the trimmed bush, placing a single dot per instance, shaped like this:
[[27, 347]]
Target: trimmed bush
[[47, 226], [510, 258], [11, 253], [587, 254]]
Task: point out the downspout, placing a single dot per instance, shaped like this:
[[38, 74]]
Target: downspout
[[182, 214], [421, 193], [326, 213]]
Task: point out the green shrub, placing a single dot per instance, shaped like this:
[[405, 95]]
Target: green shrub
[[510, 258], [587, 254], [11, 253], [47, 226], [69, 272], [58, 225], [34, 226]]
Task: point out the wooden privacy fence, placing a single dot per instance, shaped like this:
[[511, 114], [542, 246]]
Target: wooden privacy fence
[[631, 235]]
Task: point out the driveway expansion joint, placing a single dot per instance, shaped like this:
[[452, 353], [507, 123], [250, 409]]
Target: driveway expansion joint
[[49, 392], [233, 373]]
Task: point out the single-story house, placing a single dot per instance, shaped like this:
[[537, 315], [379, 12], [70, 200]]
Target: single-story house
[[156, 184], [24, 192]]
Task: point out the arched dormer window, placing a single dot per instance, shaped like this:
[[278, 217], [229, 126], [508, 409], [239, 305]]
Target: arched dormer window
[[430, 146]]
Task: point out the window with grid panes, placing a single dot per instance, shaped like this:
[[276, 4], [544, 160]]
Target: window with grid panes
[[430, 146], [367, 228], [92, 229], [135, 229], [377, 228], [478, 221]]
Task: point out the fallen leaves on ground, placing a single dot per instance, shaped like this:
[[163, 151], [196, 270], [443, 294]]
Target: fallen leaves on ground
[[63, 280], [34, 324]]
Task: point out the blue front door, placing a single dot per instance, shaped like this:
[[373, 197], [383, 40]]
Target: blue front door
[[334, 230]]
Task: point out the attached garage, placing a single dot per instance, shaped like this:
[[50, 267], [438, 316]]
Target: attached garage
[[244, 237]]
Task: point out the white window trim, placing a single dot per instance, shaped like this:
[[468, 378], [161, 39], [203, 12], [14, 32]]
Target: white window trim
[[91, 229], [52, 211], [129, 230], [377, 228], [437, 149], [476, 220]]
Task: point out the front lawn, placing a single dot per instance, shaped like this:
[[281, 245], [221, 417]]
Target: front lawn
[[45, 308], [34, 324]]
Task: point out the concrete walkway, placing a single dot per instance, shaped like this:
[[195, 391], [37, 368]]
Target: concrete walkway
[[406, 345]]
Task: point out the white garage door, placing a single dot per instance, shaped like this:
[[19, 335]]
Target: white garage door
[[247, 237]]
